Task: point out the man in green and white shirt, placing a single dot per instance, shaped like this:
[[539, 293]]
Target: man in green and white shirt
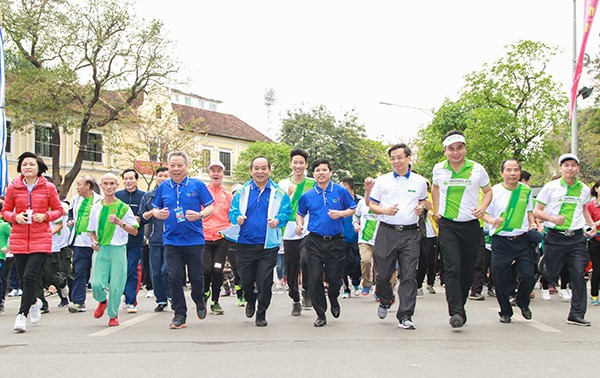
[[510, 215], [366, 223], [455, 192], [110, 224], [561, 205]]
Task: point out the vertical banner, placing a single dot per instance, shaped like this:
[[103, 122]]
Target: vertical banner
[[589, 13], [3, 159]]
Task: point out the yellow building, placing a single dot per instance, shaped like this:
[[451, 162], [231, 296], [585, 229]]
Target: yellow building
[[164, 117]]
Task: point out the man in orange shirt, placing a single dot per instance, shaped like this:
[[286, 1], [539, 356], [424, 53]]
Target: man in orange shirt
[[216, 245]]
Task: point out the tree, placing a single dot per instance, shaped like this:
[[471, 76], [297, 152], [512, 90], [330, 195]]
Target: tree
[[343, 142], [96, 52], [510, 109], [277, 153]]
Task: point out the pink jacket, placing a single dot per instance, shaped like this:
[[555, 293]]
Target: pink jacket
[[34, 237]]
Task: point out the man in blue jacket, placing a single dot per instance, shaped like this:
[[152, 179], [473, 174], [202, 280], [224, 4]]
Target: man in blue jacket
[[261, 209], [158, 266]]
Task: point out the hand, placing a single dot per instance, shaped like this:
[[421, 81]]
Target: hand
[[335, 214], [39, 217], [241, 219], [369, 182], [559, 220], [70, 223], [496, 222], [21, 218], [419, 209], [437, 216], [592, 233], [192, 215], [95, 246], [392, 210], [299, 229], [356, 228], [112, 218], [161, 213], [137, 219], [478, 212], [272, 222]]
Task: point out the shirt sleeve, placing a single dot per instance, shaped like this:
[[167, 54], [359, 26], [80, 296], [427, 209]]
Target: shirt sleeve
[[530, 202], [206, 198], [376, 192], [435, 176], [543, 196], [347, 199], [129, 219], [423, 191], [484, 178], [302, 208], [158, 200], [93, 220]]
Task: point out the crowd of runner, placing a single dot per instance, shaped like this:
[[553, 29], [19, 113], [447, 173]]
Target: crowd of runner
[[317, 239]]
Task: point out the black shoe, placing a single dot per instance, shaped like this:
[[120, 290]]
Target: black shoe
[[261, 323], [160, 308], [335, 311], [64, 302], [178, 322], [504, 318], [457, 321], [578, 320], [526, 312], [201, 309], [250, 309], [321, 321], [44, 310], [296, 309]]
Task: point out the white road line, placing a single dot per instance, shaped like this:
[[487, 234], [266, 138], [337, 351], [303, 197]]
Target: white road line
[[537, 325], [128, 323]]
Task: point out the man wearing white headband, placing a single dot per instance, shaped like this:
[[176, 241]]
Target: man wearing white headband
[[457, 182], [561, 205]]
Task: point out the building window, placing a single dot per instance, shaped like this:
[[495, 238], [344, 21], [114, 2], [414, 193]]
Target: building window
[[177, 99], [212, 107], [202, 104], [225, 158], [205, 160], [43, 141], [8, 137], [187, 100], [94, 149]]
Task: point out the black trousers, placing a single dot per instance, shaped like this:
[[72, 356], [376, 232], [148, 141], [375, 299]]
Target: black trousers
[[29, 267], [325, 258], [215, 253], [295, 262], [427, 261], [255, 264], [459, 243], [594, 250], [504, 252], [481, 267], [570, 250]]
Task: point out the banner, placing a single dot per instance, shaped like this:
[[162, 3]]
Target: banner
[[589, 13], [3, 159]]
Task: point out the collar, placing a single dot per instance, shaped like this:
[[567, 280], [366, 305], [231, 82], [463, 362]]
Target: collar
[[468, 164], [328, 189], [184, 182], [565, 184], [253, 185], [407, 175]]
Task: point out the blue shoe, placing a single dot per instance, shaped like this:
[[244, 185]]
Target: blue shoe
[[366, 290], [594, 301]]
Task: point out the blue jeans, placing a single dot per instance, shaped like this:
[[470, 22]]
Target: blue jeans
[[82, 261], [280, 266], [134, 256], [177, 258], [160, 277]]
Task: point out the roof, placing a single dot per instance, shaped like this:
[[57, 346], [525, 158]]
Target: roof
[[219, 124]]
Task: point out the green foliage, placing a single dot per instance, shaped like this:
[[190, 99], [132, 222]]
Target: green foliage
[[277, 153], [342, 141], [511, 109]]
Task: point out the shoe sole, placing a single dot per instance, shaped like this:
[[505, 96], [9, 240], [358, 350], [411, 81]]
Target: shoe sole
[[406, 327], [178, 327], [456, 321], [578, 324], [19, 330], [75, 310]]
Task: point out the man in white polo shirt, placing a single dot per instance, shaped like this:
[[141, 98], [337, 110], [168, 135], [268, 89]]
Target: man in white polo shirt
[[455, 193], [561, 205], [510, 216], [399, 198]]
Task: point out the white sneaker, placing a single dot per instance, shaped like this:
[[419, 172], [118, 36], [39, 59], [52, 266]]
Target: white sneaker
[[34, 312], [150, 294], [20, 323], [13, 293], [546, 295], [357, 293], [64, 293], [278, 285], [131, 309], [345, 295], [565, 295]]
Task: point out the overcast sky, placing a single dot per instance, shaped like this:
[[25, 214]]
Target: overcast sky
[[354, 54]]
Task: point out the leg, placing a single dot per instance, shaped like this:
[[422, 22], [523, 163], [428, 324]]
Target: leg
[[385, 256], [175, 265], [366, 264], [246, 264], [408, 257], [217, 268], [450, 247], [134, 256], [335, 261], [594, 251], [315, 264], [501, 268], [156, 270], [82, 260], [100, 280], [577, 261], [264, 280], [28, 268], [117, 278], [194, 258]]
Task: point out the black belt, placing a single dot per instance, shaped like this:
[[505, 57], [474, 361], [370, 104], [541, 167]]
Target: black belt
[[512, 237], [568, 233], [397, 227], [326, 237]]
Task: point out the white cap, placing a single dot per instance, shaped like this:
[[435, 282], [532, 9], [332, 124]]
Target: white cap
[[216, 164], [454, 138], [564, 157]]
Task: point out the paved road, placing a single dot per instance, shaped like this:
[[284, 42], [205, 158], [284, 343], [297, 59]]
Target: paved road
[[357, 344]]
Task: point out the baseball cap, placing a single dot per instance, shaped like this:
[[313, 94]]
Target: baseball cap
[[565, 157], [216, 164]]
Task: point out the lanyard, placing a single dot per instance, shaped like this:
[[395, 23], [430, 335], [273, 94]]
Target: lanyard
[[29, 191]]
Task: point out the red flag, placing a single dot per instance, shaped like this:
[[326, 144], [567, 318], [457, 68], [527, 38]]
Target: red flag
[[590, 12]]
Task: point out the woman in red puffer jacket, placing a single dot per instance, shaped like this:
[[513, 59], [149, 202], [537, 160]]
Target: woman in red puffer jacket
[[31, 204]]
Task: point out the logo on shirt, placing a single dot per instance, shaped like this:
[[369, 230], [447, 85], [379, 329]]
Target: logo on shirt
[[569, 199], [192, 194], [458, 182]]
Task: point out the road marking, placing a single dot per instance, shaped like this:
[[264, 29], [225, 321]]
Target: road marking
[[128, 323], [537, 325]]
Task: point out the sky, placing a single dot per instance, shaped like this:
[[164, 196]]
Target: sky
[[355, 54]]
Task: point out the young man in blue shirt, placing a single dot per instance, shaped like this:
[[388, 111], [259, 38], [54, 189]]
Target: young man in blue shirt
[[182, 202], [261, 209], [327, 203]]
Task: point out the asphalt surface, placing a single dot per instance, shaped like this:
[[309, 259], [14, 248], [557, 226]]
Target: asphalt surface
[[358, 344]]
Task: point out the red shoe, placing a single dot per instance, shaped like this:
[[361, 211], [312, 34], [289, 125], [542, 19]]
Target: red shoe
[[532, 296], [113, 322], [100, 309]]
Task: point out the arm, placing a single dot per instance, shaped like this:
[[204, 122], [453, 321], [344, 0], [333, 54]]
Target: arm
[[369, 182], [589, 221], [435, 196], [539, 213], [299, 224], [94, 238], [485, 201], [284, 213], [8, 212], [57, 228], [54, 204]]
